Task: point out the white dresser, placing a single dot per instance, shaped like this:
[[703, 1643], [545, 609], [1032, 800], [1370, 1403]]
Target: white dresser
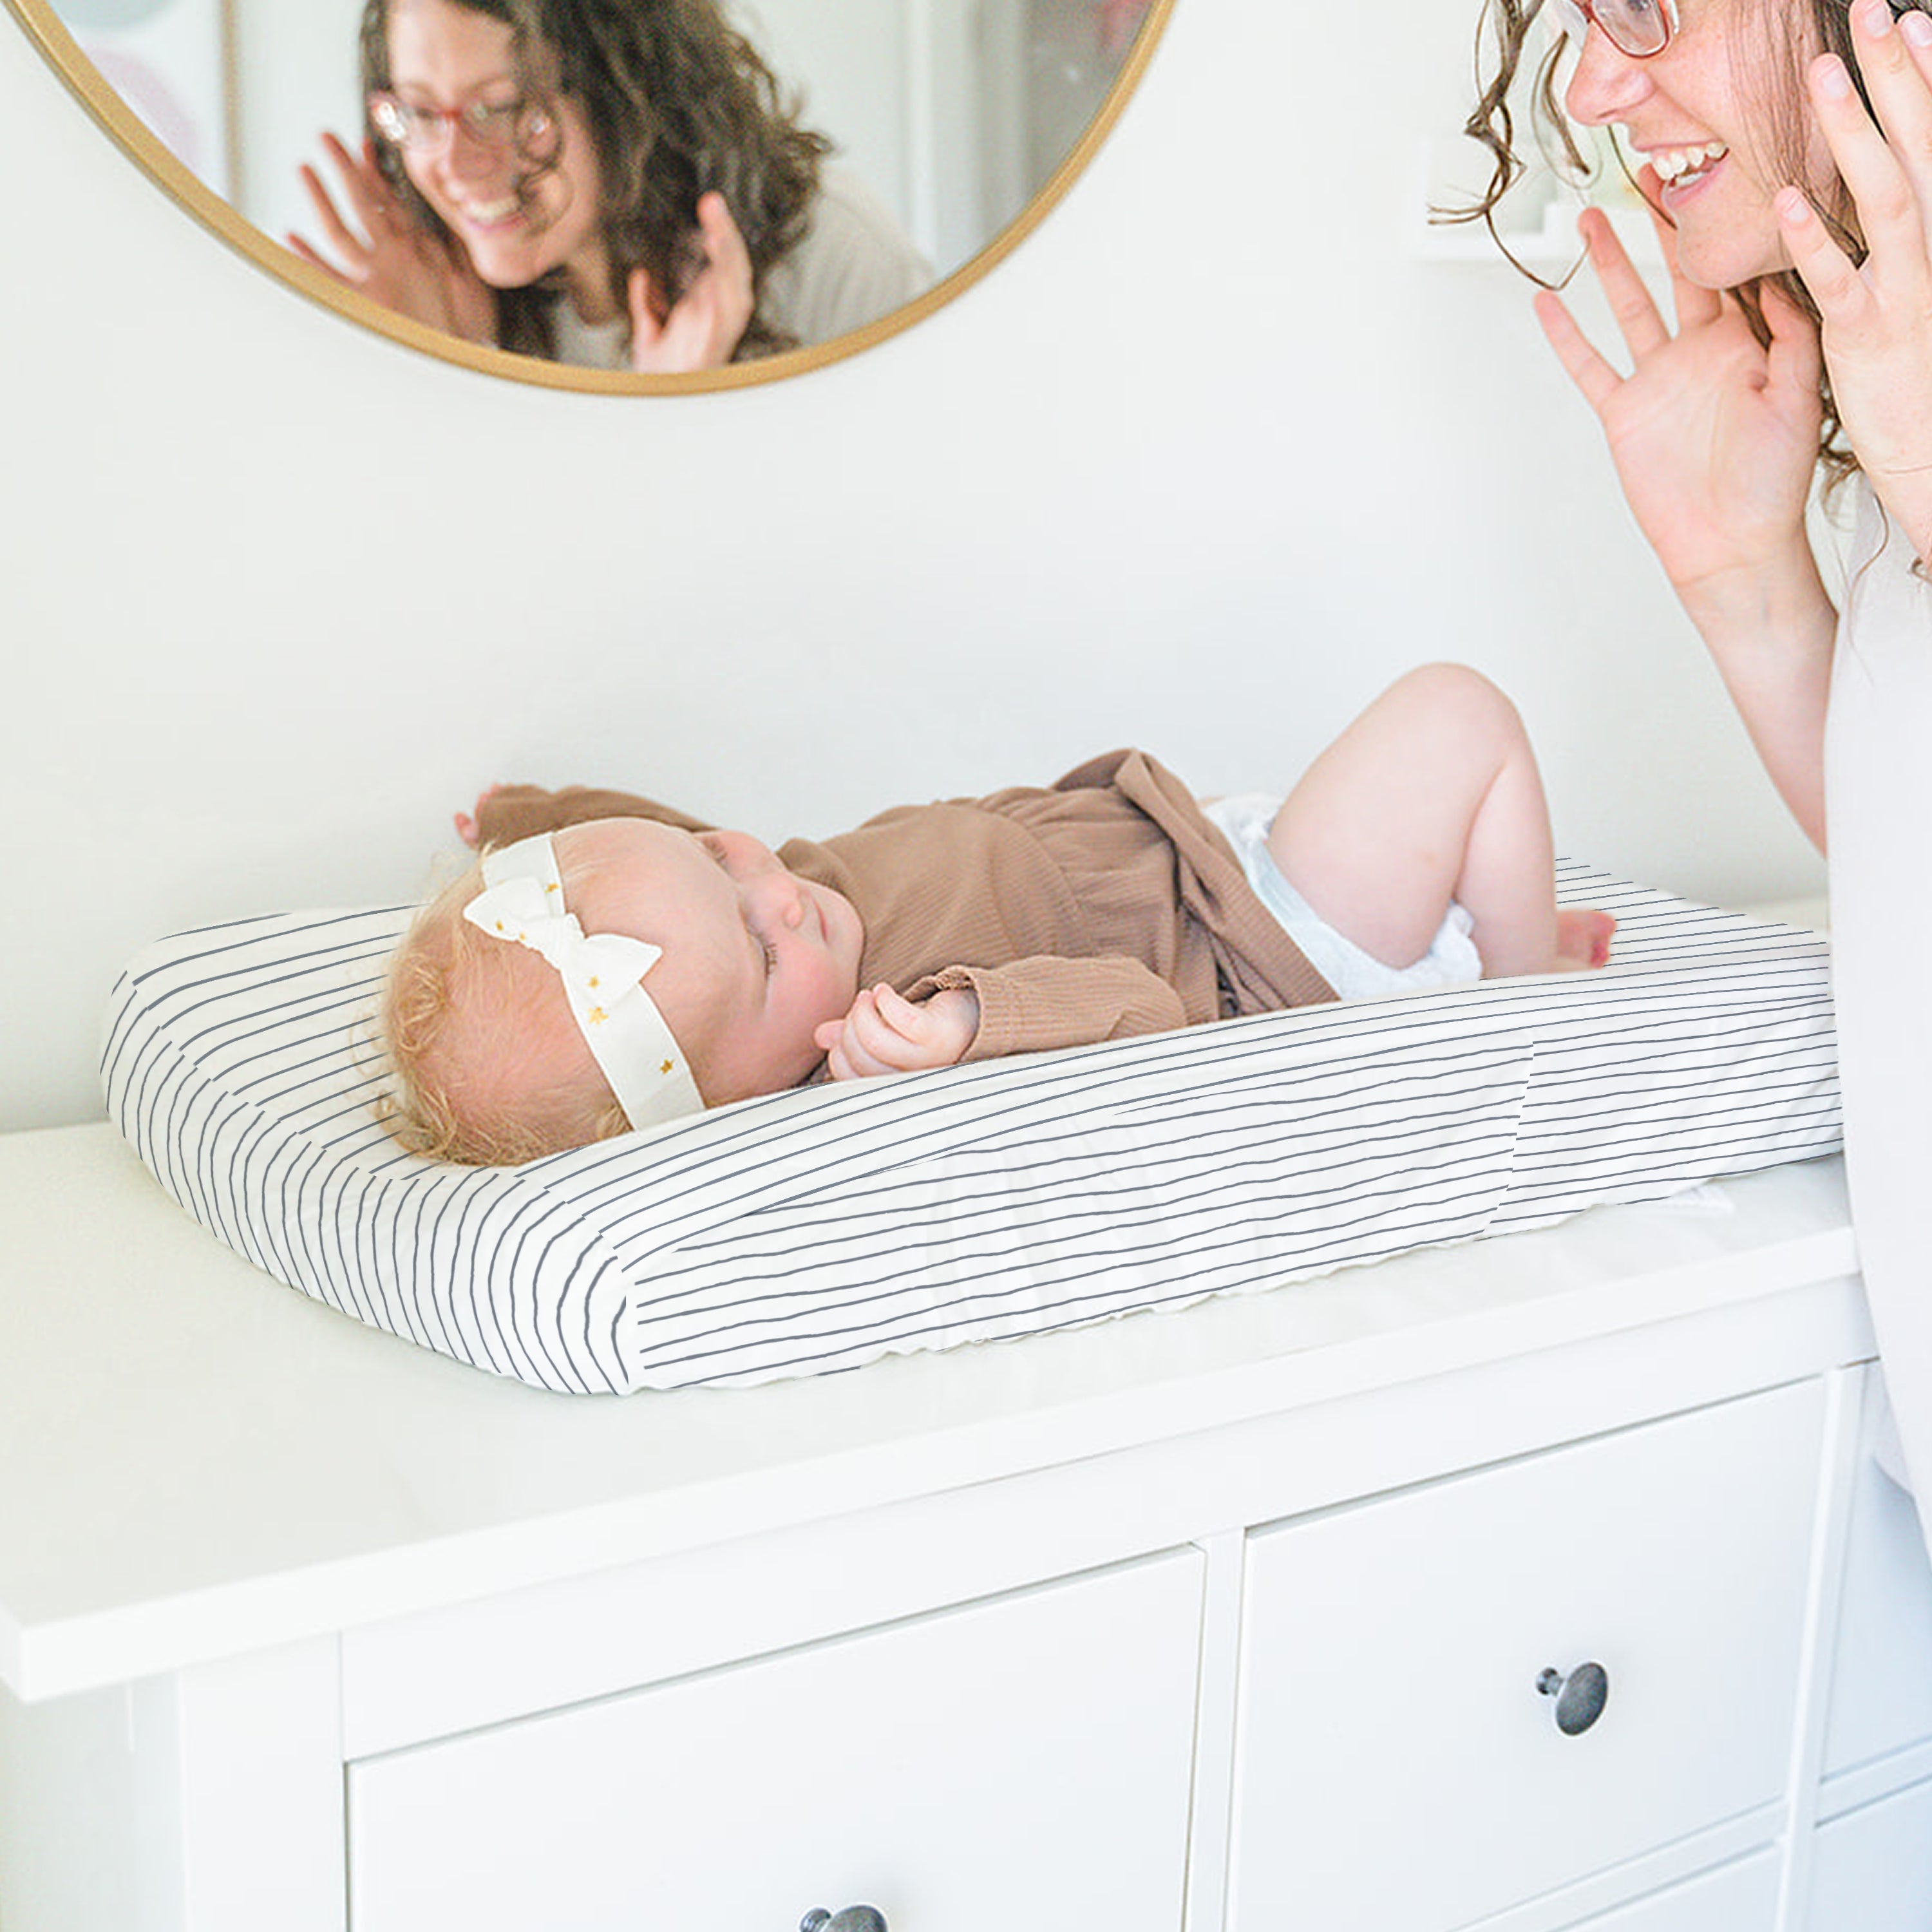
[[1262, 1615]]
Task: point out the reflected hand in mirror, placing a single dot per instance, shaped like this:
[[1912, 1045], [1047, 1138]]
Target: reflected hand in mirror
[[632, 192], [394, 259], [701, 327]]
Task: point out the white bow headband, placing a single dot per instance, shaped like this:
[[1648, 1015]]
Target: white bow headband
[[603, 974]]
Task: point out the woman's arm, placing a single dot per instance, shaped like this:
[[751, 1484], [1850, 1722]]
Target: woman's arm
[[1770, 632]]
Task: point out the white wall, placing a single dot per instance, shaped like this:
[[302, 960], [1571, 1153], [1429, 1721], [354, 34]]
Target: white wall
[[1209, 459]]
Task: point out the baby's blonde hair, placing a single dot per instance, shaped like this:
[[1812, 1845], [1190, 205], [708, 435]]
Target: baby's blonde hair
[[473, 1028]]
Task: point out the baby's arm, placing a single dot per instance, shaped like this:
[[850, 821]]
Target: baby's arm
[[506, 813], [1034, 1005], [1031, 1006]]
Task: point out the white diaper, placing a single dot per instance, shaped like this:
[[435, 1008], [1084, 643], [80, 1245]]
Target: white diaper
[[1451, 960]]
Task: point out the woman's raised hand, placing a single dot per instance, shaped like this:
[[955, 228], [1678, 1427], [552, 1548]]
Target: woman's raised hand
[[704, 327], [1714, 439], [1877, 317], [392, 259]]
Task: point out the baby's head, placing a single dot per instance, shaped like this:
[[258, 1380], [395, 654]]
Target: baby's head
[[723, 965]]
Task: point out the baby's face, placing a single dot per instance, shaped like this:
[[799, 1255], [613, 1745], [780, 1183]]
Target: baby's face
[[755, 958]]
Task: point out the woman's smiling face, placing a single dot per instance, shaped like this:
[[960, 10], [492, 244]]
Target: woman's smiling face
[[519, 216], [1702, 118]]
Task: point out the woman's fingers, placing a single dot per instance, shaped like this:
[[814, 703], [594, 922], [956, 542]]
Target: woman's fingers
[[296, 245], [1794, 361], [1589, 370], [1895, 60], [1887, 207], [1892, 209], [646, 325], [343, 239], [368, 193], [731, 259], [1825, 268], [1638, 318], [1876, 316], [704, 326]]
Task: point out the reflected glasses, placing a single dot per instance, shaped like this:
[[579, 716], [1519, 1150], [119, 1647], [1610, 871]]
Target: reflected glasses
[[429, 131], [1639, 28]]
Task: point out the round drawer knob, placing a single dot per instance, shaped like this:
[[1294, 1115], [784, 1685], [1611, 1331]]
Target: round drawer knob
[[1580, 1696], [854, 1918]]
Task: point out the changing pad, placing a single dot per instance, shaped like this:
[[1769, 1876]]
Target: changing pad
[[820, 1228]]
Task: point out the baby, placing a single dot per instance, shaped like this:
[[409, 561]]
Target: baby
[[611, 964]]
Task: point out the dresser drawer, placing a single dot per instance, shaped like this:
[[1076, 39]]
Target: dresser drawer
[[1030, 1755], [1872, 1869], [1398, 1765], [1740, 1897]]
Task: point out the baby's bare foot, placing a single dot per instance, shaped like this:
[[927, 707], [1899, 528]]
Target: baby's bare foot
[[468, 825], [1582, 938]]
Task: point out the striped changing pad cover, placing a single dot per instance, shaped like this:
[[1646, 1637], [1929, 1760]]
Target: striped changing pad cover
[[820, 1228]]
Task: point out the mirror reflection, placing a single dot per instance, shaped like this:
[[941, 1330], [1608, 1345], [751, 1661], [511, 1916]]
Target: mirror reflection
[[658, 185]]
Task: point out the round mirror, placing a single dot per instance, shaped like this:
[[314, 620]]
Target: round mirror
[[517, 185]]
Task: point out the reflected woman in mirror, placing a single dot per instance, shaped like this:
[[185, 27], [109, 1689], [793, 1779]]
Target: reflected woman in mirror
[[1786, 154], [615, 184]]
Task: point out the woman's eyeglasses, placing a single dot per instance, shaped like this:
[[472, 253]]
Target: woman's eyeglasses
[[428, 131], [1637, 28]]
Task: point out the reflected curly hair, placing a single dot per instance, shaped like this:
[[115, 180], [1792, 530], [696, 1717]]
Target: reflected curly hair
[[678, 103], [1768, 58]]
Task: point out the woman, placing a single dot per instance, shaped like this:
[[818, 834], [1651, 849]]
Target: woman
[[1789, 166], [614, 183]]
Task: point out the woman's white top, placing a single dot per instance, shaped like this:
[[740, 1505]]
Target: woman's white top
[[852, 265], [1878, 769]]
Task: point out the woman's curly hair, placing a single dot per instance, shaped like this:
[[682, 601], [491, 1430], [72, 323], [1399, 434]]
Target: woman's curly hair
[[1770, 58], [678, 103]]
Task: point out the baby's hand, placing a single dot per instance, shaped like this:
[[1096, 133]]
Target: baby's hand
[[886, 1033], [470, 825]]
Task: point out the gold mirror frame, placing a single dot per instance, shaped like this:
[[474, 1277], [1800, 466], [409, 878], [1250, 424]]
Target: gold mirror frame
[[85, 82]]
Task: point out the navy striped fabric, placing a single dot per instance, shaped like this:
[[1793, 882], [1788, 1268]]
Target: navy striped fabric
[[819, 1229]]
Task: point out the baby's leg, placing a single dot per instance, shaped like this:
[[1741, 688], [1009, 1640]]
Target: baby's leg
[[1432, 794]]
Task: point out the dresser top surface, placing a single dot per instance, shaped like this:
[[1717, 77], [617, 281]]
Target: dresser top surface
[[195, 1460]]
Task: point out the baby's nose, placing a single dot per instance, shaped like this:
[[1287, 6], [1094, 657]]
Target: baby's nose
[[779, 896]]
